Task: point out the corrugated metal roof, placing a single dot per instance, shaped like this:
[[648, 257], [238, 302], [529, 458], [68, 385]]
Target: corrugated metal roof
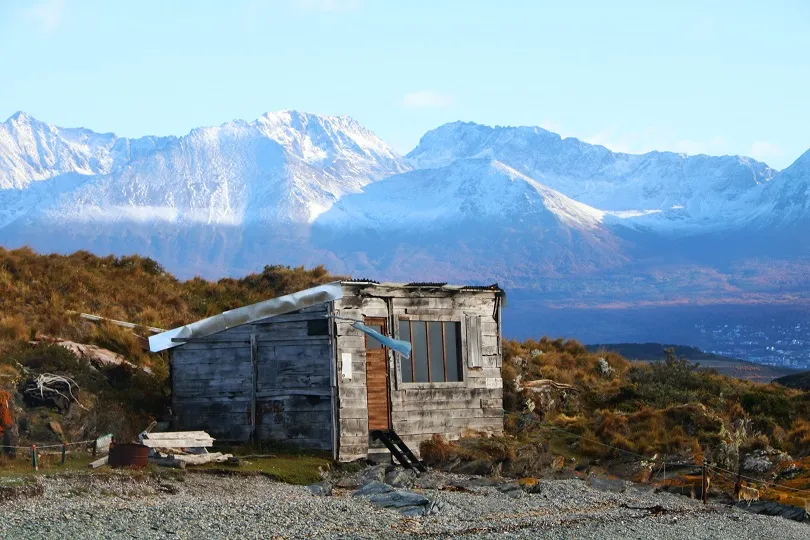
[[360, 281], [424, 284], [247, 314]]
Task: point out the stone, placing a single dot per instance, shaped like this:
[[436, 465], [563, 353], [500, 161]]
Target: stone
[[373, 488], [606, 484], [478, 467], [513, 489], [757, 463], [604, 369], [401, 478], [536, 352], [56, 427], [437, 507], [372, 474], [530, 485], [321, 489], [431, 480], [407, 503], [770, 508]]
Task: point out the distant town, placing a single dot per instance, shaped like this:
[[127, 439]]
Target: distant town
[[778, 343]]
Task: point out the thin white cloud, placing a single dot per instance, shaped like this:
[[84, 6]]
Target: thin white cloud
[[551, 125], [47, 13], [424, 99], [714, 146], [765, 151], [611, 141]]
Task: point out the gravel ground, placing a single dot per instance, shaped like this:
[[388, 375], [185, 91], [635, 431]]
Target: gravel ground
[[207, 506]]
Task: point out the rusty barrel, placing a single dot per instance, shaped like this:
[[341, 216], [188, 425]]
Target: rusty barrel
[[128, 455]]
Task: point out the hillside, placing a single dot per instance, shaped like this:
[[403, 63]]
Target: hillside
[[38, 294], [560, 398], [572, 412], [732, 367], [800, 381]]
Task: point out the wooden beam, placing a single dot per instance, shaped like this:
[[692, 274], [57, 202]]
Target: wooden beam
[[124, 324]]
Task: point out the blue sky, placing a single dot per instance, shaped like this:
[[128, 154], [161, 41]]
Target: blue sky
[[698, 77]]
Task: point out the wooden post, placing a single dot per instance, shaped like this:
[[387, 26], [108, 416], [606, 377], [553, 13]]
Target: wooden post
[[95, 447], [705, 483], [254, 358], [34, 461], [64, 451]]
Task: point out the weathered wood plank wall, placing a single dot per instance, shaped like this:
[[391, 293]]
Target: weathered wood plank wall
[[279, 388], [420, 410]]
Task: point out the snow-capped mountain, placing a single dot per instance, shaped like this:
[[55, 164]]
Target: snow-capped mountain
[[284, 167], [661, 190], [519, 205], [480, 191]]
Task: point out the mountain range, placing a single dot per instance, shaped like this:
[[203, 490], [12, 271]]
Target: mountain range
[[570, 222]]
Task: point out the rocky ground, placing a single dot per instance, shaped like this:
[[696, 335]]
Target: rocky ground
[[436, 505]]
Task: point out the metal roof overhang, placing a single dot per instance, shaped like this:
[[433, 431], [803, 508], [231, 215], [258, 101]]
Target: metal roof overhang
[[247, 314]]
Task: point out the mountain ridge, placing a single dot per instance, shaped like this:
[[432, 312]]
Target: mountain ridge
[[519, 205]]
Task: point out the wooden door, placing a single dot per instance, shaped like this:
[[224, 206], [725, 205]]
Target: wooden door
[[377, 378]]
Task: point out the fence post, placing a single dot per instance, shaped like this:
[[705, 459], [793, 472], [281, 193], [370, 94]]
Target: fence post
[[34, 461], [705, 483], [64, 451]]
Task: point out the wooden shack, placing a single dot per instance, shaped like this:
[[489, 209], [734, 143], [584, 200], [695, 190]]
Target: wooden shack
[[296, 369]]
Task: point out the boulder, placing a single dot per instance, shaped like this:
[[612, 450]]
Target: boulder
[[770, 508], [373, 488], [401, 478], [431, 480], [513, 489], [321, 489], [478, 467], [375, 473], [763, 460], [604, 369], [406, 503], [606, 484]]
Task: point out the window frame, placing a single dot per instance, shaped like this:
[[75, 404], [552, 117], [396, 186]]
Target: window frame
[[462, 353]]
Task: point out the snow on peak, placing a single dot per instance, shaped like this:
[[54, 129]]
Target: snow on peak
[[475, 190], [286, 166], [324, 140], [623, 184]]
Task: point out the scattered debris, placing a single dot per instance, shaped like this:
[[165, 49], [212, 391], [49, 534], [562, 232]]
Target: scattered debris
[[177, 440], [128, 455], [52, 390], [99, 462]]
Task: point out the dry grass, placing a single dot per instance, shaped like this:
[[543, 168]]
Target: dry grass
[[667, 409], [38, 292]]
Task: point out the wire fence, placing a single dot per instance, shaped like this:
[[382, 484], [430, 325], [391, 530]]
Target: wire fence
[[41, 446]]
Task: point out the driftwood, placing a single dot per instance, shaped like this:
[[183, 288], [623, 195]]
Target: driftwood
[[540, 384], [98, 463], [180, 461]]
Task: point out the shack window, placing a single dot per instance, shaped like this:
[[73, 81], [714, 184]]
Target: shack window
[[436, 353]]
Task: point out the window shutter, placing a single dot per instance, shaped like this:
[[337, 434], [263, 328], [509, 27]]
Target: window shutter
[[474, 341]]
